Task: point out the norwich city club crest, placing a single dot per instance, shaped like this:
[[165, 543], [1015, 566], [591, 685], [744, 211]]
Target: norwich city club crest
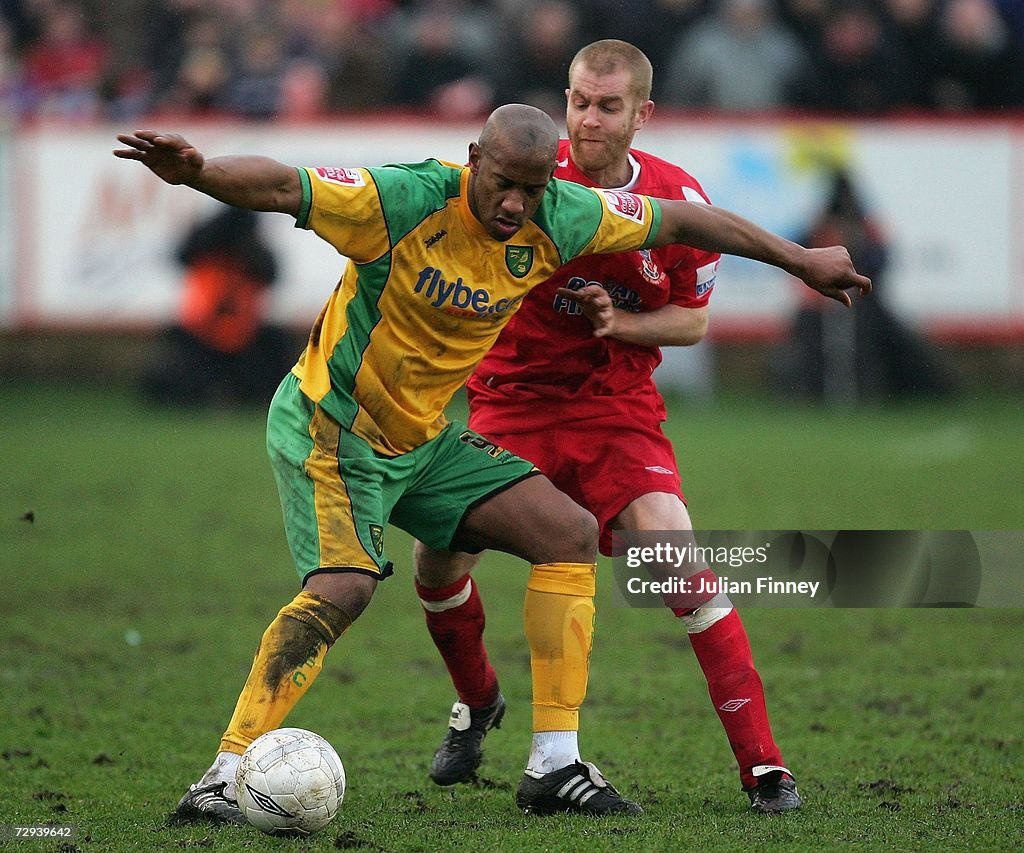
[[377, 538], [519, 260]]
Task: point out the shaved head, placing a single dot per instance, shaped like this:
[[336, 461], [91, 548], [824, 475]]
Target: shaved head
[[522, 130], [510, 168]]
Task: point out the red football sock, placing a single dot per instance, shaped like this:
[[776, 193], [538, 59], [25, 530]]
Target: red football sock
[[723, 652], [455, 619]]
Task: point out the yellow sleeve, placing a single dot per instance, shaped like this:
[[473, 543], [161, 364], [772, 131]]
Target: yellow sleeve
[[628, 222], [342, 206]]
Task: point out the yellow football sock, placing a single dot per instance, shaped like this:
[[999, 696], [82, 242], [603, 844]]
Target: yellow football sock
[[289, 658], [559, 619]]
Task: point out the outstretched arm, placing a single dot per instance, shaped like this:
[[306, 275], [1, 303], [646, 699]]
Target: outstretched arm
[[256, 183], [829, 270]]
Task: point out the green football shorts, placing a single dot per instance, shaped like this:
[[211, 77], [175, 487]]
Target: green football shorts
[[338, 495]]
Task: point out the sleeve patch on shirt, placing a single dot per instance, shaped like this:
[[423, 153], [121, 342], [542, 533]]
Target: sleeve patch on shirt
[[345, 177], [626, 205], [690, 194], [706, 277]]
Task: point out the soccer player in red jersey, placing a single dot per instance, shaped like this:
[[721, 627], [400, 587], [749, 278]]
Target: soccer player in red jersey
[[576, 361], [441, 256]]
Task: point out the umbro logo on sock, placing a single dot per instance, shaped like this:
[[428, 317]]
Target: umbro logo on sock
[[733, 705]]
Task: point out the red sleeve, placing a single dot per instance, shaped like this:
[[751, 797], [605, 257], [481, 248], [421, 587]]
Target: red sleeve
[[691, 272], [692, 277]]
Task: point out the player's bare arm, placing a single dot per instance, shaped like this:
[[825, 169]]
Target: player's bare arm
[[667, 326], [828, 270], [256, 183]]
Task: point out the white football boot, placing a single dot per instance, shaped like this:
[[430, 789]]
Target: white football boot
[[213, 796]]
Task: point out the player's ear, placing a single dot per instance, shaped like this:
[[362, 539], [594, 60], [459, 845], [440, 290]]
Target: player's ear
[[474, 157], [643, 114]]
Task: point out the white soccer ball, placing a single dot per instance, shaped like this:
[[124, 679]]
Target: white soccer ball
[[290, 782]]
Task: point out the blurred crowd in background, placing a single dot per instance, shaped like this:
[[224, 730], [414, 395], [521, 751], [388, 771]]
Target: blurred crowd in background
[[302, 59]]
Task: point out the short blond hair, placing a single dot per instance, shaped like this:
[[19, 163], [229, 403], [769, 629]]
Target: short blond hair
[[609, 55]]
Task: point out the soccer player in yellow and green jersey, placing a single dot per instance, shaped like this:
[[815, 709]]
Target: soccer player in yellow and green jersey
[[440, 257], [428, 289]]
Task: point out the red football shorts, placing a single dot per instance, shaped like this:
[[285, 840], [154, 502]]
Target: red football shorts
[[604, 464]]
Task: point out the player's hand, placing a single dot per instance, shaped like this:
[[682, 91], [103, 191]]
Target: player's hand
[[167, 155], [831, 272], [596, 305]]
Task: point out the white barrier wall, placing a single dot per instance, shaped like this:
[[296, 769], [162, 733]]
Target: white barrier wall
[[7, 253], [87, 239]]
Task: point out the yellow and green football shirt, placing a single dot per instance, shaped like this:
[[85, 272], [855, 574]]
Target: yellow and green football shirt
[[427, 290]]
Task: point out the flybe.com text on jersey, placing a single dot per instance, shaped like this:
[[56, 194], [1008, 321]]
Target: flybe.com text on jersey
[[432, 284]]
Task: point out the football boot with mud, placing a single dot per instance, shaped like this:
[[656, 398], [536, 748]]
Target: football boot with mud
[[579, 787], [213, 797], [461, 751], [774, 793]]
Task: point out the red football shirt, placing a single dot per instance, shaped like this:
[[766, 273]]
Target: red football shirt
[[547, 355]]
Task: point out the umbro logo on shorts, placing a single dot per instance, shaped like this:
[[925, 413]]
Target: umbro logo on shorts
[[658, 469]]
